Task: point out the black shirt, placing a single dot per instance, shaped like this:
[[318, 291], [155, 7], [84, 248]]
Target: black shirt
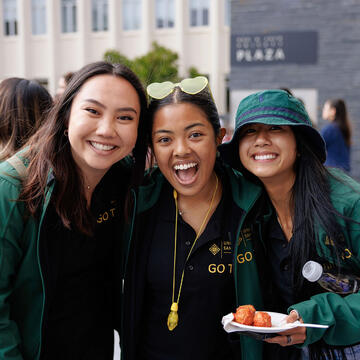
[[280, 263], [79, 315], [282, 278], [207, 292]]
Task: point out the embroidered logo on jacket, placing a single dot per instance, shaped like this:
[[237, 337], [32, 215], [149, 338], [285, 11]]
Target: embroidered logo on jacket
[[109, 214], [245, 234], [346, 254], [214, 249]]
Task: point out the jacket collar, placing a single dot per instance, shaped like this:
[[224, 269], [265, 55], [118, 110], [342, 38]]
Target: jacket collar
[[149, 194], [244, 192], [125, 163]]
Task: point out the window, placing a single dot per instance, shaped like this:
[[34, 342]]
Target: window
[[100, 15], [38, 17], [68, 16], [199, 12], [227, 19], [132, 14], [10, 17], [165, 13]]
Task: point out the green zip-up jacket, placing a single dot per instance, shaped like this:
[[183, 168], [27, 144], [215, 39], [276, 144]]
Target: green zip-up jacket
[[342, 314], [22, 283], [244, 195]]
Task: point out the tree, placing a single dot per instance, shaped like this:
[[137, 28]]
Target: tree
[[115, 57], [194, 72], [158, 65]]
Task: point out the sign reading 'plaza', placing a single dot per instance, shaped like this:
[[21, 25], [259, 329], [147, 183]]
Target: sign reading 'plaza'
[[274, 48]]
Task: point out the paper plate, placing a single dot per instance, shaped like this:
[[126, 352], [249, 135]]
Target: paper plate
[[277, 321]]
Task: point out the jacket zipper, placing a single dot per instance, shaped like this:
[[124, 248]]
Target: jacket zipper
[[46, 202], [125, 266], [239, 232]]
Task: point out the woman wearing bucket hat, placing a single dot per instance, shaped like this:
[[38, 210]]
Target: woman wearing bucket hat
[[307, 213]]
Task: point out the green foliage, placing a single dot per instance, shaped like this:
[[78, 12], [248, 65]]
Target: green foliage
[[158, 65], [193, 72], [115, 57]]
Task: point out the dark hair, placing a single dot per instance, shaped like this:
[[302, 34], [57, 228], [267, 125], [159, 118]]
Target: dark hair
[[49, 150], [341, 118], [203, 100], [312, 207], [23, 105]]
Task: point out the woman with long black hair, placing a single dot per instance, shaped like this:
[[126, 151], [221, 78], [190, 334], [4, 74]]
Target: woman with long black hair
[[337, 134], [307, 213]]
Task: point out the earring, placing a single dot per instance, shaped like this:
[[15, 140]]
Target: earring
[[218, 154], [66, 132]]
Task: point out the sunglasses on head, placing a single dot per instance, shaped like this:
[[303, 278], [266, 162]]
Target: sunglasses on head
[[189, 86]]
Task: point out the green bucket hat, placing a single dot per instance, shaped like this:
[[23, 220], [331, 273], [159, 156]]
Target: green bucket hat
[[272, 107]]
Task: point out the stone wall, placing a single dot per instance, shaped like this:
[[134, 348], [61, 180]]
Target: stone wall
[[337, 71]]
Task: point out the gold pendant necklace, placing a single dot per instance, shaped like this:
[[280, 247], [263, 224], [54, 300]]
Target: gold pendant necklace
[[173, 318]]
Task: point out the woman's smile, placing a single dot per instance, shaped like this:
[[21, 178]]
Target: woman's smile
[[186, 172], [102, 147], [268, 151], [103, 123], [264, 157], [185, 147]]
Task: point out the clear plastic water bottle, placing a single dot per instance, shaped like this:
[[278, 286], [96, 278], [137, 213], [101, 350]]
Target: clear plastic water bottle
[[337, 283]]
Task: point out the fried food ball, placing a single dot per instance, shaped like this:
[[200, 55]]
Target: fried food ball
[[250, 307], [245, 314], [262, 319]]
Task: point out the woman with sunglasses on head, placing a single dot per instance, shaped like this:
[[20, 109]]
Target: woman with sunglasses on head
[[61, 206], [306, 213], [179, 272]]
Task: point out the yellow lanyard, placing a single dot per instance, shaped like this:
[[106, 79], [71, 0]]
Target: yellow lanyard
[[173, 317]]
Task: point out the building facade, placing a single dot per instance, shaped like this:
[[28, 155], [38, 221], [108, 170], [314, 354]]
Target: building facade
[[310, 47], [43, 39]]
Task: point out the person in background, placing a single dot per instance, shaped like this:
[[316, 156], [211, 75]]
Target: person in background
[[337, 134], [62, 84], [23, 106], [179, 255], [308, 212], [229, 131], [59, 275]]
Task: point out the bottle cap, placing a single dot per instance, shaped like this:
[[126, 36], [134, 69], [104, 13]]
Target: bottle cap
[[312, 271]]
